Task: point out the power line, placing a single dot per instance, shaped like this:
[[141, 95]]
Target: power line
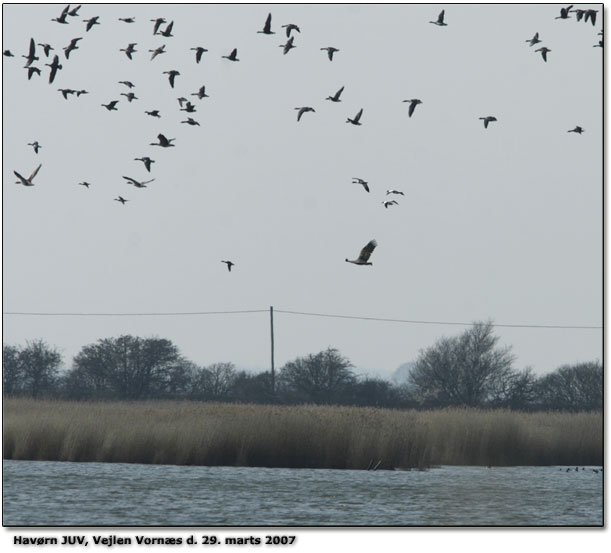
[[290, 312]]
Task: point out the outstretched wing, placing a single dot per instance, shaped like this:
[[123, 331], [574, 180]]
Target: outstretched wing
[[367, 251], [35, 172], [441, 16], [358, 115]]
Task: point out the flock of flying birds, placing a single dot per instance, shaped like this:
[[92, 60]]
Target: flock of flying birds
[[189, 107]]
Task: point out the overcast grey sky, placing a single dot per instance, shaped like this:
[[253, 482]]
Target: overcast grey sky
[[503, 223]]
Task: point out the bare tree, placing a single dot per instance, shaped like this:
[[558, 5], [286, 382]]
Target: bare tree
[[12, 371], [576, 387], [214, 381], [40, 367]]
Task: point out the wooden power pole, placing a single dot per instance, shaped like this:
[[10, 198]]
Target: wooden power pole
[[271, 324]]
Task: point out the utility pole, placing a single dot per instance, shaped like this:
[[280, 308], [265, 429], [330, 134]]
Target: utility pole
[[271, 324]]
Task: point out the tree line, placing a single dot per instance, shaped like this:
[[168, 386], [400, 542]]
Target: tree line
[[470, 369]]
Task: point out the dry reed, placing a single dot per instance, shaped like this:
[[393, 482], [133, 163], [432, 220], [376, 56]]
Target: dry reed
[[308, 436]]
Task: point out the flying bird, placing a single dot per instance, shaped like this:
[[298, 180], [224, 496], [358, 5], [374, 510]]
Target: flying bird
[[167, 32], [191, 121], [591, 15], [577, 130], [55, 66], [534, 40], [111, 106], [121, 199], [62, 17], [267, 28], [564, 13], [130, 96], [287, 47], [412, 105], [163, 142], [388, 203], [363, 258], [198, 53], [301, 111], [291, 27], [8, 54], [28, 181], [158, 22], [91, 22], [74, 11], [172, 74], [233, 56], [330, 51], [154, 113], [440, 20], [66, 91], [157, 51], [127, 19], [357, 118], [363, 183], [394, 192], [46, 48], [31, 70], [229, 264], [189, 107], [35, 145], [85, 184], [71, 46], [335, 97], [128, 84], [544, 50], [131, 48], [487, 119], [147, 162], [138, 184], [201, 93], [31, 56]]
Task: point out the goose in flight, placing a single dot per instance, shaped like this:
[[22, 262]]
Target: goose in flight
[[233, 56], [363, 258], [163, 142], [198, 53], [91, 22], [65, 92], [158, 22], [71, 46], [168, 30], [287, 47], [35, 145], [267, 28], [291, 27], [28, 181], [565, 13], [191, 121], [128, 84], [189, 107], [85, 184], [157, 51], [62, 17], [534, 40], [127, 19], [201, 93], [487, 119], [544, 50], [31, 70], [79, 92], [388, 203], [357, 118], [130, 96], [577, 130], [440, 22], [111, 106], [229, 264], [412, 105], [55, 66], [363, 183], [121, 199], [46, 48], [31, 56], [172, 74], [154, 113], [591, 14], [330, 51], [131, 48], [335, 97], [394, 192], [74, 11], [138, 184], [8, 54], [302, 110], [147, 162]]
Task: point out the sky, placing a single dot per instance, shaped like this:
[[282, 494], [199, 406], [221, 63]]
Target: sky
[[501, 224]]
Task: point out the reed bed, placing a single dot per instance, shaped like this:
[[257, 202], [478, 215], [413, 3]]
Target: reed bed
[[306, 436]]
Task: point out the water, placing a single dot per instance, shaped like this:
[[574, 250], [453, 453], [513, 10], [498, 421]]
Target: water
[[40, 493]]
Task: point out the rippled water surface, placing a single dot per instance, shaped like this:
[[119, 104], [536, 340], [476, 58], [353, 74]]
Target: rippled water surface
[[92, 494]]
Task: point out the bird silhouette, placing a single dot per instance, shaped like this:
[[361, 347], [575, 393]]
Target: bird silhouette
[[565, 13], [130, 96], [66, 91], [85, 184], [233, 56], [201, 93], [32, 70], [394, 192], [287, 47], [131, 48], [28, 181], [138, 184], [534, 40], [62, 17], [127, 19], [267, 28], [302, 110], [172, 74], [147, 162], [577, 130], [163, 142], [388, 203], [198, 53], [591, 15], [544, 50], [363, 258], [412, 105], [191, 121], [330, 51], [71, 46], [335, 97], [31, 55], [55, 67], [357, 118], [153, 113], [363, 183], [91, 22], [229, 264], [487, 119], [440, 19], [8, 54], [157, 51], [121, 199], [128, 84], [111, 106], [74, 11], [158, 22], [35, 145], [291, 27], [46, 48], [167, 32]]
